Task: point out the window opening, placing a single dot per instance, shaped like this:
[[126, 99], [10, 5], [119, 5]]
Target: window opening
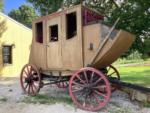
[[71, 21], [53, 31], [91, 17], [39, 32]]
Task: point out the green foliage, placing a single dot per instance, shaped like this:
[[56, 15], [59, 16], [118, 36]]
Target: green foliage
[[45, 7], [134, 56], [68, 3], [135, 18], [1, 5], [125, 61], [105, 7], [147, 45], [25, 15]]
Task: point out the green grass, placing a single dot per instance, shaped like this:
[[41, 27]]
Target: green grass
[[3, 99], [137, 75], [146, 104], [45, 99]]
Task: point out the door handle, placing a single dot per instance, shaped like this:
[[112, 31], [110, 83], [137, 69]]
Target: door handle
[[91, 46], [47, 45]]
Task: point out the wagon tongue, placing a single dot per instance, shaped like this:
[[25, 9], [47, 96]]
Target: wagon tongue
[[128, 85]]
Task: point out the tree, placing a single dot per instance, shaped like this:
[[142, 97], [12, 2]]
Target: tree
[[45, 7], [25, 15], [135, 16], [1, 5]]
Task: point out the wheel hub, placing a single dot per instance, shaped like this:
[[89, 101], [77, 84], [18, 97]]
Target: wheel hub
[[88, 89], [29, 79]]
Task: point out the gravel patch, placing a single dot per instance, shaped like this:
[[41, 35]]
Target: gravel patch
[[11, 101]]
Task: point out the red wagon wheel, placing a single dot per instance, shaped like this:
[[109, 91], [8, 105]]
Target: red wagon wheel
[[30, 79], [62, 84], [89, 89], [112, 72]]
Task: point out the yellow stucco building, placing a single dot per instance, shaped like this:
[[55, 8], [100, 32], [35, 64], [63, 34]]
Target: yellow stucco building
[[15, 44]]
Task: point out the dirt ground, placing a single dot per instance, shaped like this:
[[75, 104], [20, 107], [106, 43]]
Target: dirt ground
[[11, 96]]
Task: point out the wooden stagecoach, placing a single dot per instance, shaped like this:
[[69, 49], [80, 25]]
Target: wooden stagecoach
[[74, 48]]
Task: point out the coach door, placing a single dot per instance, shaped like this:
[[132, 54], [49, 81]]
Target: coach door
[[54, 56]]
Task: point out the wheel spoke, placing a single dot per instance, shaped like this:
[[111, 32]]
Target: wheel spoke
[[101, 94], [98, 80], [111, 73], [62, 85], [23, 79], [91, 79], [78, 84], [85, 100], [96, 98], [29, 89], [26, 72], [77, 90], [24, 75], [100, 87], [84, 104], [85, 75], [26, 86], [34, 86], [76, 87], [31, 69], [80, 79], [32, 90]]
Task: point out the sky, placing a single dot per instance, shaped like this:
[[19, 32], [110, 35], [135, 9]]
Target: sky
[[12, 4]]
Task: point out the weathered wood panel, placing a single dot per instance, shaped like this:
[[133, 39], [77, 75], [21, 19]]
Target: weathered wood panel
[[72, 48], [38, 50], [91, 35]]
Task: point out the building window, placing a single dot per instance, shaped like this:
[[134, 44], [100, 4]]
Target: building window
[[7, 54], [71, 24], [53, 31], [39, 32]]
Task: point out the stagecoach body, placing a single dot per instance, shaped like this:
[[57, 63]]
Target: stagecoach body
[[75, 44], [79, 32]]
